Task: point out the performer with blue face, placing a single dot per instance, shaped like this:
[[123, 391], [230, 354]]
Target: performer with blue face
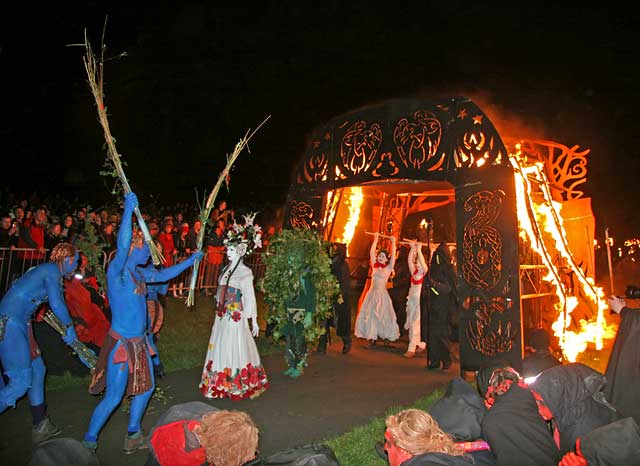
[[19, 353], [124, 364]]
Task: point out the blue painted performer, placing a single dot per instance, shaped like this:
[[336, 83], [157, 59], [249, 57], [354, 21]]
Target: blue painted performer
[[124, 364], [19, 352]]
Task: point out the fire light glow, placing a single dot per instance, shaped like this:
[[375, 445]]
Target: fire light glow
[[540, 224], [354, 202]]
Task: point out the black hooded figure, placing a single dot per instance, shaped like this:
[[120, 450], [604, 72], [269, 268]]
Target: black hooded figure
[[341, 308], [438, 297]]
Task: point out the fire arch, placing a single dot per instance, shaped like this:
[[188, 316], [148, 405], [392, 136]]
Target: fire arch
[[419, 155]]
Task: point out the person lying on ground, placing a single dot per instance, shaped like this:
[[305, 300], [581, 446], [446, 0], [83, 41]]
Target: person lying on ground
[[195, 433]]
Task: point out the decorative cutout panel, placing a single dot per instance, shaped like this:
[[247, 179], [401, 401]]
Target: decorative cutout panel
[[566, 167]]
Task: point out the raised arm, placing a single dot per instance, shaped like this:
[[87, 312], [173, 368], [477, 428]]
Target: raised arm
[[411, 256], [392, 259], [372, 251], [124, 234], [153, 275], [421, 260]]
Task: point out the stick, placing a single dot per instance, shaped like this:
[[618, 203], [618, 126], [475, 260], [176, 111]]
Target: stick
[[206, 210], [379, 235], [95, 77], [409, 241], [607, 240]]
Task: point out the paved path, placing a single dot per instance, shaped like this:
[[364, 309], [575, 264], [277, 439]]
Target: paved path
[[336, 393]]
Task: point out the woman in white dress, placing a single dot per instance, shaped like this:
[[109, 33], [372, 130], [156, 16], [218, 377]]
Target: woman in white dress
[[232, 367], [376, 318], [418, 269]]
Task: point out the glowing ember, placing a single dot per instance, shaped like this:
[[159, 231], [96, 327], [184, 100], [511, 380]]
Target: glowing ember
[[354, 202], [541, 226]]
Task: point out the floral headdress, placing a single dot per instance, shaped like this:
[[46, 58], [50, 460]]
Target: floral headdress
[[247, 237]]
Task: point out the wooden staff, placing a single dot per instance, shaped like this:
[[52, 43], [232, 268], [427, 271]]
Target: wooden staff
[[379, 235]]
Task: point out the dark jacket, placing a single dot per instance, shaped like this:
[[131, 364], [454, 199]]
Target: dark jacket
[[573, 393], [517, 433]]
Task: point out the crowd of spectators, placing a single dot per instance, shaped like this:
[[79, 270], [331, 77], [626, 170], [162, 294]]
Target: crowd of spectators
[[33, 225]]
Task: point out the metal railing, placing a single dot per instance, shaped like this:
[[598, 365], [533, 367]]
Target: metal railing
[[14, 262]]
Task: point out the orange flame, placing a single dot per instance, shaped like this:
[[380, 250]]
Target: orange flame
[[540, 224], [354, 202]]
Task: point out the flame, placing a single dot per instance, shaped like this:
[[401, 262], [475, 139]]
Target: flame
[[540, 224], [354, 202]]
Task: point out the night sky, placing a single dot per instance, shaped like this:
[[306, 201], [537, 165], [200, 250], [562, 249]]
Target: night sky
[[195, 77]]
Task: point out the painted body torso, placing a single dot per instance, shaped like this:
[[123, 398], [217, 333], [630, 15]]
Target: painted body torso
[[128, 309]]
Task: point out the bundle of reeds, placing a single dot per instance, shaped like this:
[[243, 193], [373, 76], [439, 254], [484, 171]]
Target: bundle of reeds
[[95, 78], [86, 355], [211, 199]]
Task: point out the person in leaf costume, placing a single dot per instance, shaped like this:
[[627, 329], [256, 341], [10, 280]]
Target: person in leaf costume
[[300, 289]]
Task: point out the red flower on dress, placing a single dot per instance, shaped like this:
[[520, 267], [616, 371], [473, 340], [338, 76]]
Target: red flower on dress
[[236, 316]]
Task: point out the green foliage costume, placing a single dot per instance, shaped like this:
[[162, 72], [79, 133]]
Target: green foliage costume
[[299, 288]]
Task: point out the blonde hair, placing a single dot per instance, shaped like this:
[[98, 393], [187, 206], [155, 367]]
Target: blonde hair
[[416, 432], [229, 438], [62, 251]]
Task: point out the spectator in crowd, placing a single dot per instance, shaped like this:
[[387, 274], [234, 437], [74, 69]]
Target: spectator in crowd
[[69, 230], [108, 237], [153, 228], [220, 212], [195, 433], [192, 237], [32, 236], [8, 232], [53, 236], [18, 216], [182, 240], [8, 240], [168, 245]]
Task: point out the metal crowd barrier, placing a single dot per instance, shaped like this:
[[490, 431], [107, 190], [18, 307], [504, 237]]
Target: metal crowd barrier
[[14, 262]]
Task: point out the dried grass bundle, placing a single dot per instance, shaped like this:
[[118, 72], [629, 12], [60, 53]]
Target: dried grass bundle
[[95, 78], [208, 206]]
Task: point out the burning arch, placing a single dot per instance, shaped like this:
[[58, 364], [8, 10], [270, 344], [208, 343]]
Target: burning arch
[[417, 155]]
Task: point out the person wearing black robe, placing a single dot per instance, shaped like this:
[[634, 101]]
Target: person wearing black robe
[[514, 425], [623, 368], [341, 307], [438, 296]]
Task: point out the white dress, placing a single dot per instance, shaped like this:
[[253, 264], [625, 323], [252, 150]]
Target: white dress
[[232, 367], [376, 318], [413, 315]]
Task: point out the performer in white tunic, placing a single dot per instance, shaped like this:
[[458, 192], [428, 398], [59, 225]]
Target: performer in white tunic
[[232, 367], [418, 269], [376, 318]]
